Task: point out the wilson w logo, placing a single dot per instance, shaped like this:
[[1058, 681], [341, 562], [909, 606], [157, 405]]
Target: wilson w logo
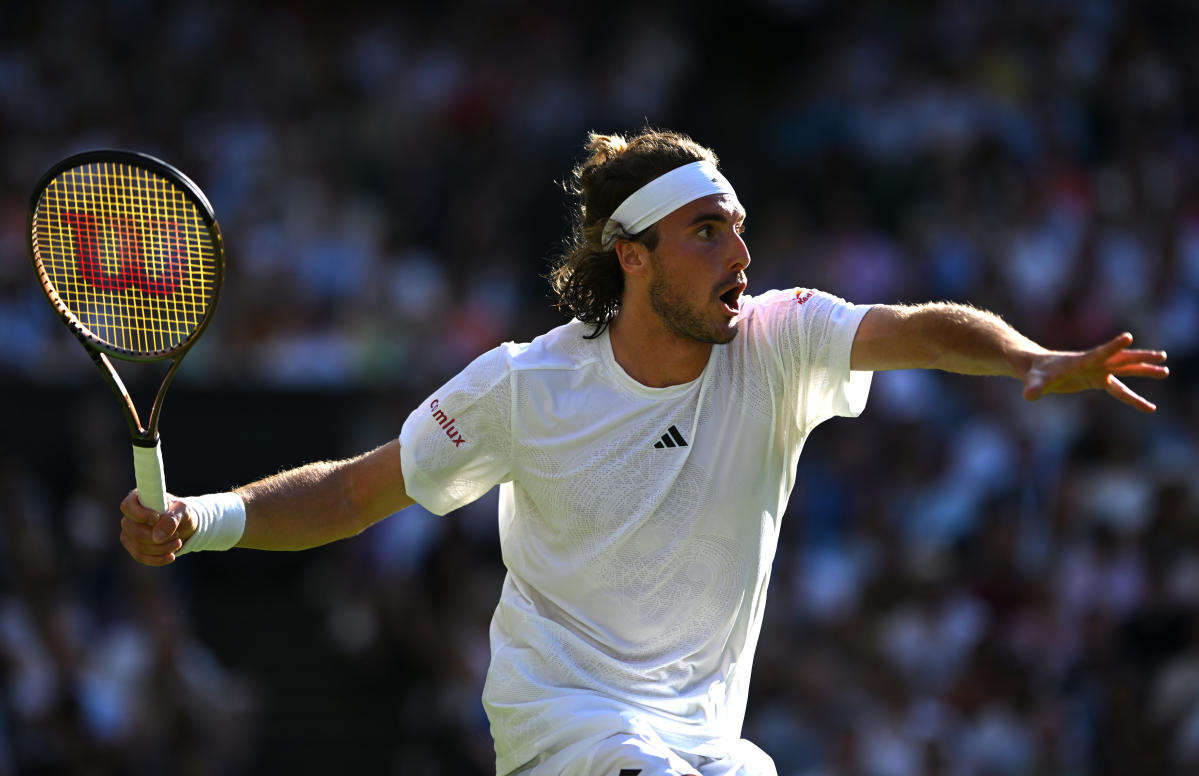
[[122, 233]]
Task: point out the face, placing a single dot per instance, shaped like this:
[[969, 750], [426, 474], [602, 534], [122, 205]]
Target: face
[[698, 269]]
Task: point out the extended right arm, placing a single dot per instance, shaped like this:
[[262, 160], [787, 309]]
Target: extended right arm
[[305, 507]]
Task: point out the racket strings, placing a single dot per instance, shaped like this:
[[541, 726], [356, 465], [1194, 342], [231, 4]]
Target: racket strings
[[129, 255]]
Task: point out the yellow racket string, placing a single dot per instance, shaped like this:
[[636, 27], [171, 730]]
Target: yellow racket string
[[128, 253]]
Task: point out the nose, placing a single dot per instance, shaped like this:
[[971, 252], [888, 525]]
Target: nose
[[740, 258]]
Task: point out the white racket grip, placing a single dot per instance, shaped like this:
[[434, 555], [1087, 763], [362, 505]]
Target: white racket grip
[[147, 472]]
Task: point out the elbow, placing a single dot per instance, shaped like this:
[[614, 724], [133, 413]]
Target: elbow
[[361, 520], [361, 507], [370, 488]]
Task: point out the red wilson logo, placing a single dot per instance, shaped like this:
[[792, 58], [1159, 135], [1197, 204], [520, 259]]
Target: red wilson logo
[[131, 266], [446, 423]]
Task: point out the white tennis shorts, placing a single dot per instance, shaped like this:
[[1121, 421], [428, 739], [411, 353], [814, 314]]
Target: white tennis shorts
[[645, 754]]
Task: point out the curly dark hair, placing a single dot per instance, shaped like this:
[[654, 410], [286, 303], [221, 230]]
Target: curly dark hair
[[587, 279]]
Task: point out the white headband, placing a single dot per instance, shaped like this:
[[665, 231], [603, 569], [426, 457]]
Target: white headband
[[662, 196]]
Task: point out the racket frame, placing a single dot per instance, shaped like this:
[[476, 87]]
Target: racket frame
[[144, 437]]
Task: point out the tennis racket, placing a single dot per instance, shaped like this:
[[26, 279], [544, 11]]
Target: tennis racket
[[130, 256]]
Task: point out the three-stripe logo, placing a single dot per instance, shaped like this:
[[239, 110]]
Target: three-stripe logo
[[672, 438]]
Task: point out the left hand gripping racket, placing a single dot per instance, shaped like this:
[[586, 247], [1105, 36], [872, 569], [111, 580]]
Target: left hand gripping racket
[[130, 255]]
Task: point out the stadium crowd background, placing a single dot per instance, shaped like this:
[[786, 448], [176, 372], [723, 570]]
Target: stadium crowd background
[[967, 584]]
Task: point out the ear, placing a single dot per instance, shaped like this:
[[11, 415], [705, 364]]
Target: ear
[[633, 256]]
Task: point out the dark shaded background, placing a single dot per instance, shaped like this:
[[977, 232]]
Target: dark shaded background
[[967, 583]]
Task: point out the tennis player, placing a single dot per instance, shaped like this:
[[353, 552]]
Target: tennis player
[[645, 453]]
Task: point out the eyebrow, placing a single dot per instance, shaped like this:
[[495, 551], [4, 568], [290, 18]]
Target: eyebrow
[[713, 216]]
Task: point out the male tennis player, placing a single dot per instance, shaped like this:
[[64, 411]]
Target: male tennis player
[[645, 453]]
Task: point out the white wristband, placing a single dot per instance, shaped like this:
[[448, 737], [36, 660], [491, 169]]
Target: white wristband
[[220, 521]]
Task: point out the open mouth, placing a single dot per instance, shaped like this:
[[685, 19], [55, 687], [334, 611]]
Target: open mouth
[[732, 298]]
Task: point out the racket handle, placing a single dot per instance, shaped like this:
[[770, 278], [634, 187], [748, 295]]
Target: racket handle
[[147, 471]]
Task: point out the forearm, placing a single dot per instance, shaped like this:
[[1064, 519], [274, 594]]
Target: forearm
[[949, 337], [969, 341], [322, 502], [298, 509]]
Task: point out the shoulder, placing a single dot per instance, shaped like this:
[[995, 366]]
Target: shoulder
[[559, 350], [792, 298], [563, 347], [799, 323], [781, 306]]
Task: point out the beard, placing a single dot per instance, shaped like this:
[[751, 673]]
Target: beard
[[681, 317]]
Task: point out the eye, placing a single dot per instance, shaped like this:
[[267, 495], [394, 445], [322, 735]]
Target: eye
[[704, 232]]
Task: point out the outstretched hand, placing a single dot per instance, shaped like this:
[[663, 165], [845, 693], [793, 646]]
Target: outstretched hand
[[1099, 368]]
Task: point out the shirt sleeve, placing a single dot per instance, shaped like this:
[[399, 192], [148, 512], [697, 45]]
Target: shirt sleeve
[[456, 445], [814, 334]]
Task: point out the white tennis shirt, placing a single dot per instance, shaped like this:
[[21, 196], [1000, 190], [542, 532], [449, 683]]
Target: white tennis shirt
[[638, 525]]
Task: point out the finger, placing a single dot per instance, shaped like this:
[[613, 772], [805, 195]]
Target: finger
[[1035, 383], [153, 560], [1108, 350], [168, 523], [1141, 356], [143, 552], [149, 553], [1121, 391], [1151, 371], [1112, 347], [140, 538], [132, 507]]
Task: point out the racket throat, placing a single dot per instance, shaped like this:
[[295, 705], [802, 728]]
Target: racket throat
[[147, 435]]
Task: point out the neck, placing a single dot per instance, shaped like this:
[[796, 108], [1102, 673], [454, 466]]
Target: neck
[[652, 354]]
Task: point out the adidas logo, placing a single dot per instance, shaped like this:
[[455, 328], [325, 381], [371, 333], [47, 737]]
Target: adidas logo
[[672, 438]]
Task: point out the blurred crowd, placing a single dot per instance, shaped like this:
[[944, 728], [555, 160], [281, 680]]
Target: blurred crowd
[[967, 584]]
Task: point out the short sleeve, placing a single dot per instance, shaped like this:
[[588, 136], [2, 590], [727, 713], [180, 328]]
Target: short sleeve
[[813, 333], [457, 444]]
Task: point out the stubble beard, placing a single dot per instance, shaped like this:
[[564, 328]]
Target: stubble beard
[[681, 317]]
